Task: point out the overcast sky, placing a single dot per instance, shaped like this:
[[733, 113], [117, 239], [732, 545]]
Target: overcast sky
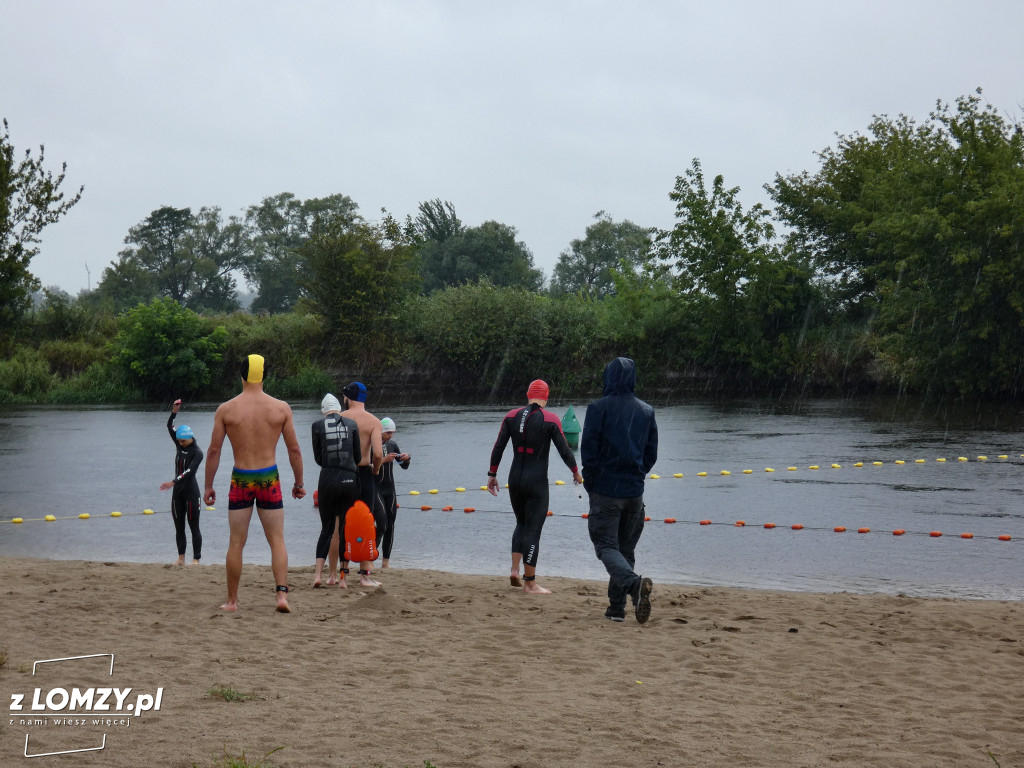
[[536, 114]]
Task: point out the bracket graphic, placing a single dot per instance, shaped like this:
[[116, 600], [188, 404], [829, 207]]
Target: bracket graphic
[[70, 658]]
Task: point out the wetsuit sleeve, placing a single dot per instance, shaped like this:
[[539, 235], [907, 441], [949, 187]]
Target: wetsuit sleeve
[[651, 450], [193, 465], [396, 449], [170, 428], [562, 445], [499, 447], [590, 444], [318, 443]]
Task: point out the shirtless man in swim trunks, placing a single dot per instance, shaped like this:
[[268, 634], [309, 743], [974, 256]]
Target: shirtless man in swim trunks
[[372, 457], [253, 421]]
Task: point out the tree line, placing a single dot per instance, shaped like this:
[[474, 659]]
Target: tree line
[[893, 266]]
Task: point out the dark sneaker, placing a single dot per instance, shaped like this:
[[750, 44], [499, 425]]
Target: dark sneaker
[[615, 615], [642, 601]]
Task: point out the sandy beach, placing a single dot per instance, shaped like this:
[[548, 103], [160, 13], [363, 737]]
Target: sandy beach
[[468, 672]]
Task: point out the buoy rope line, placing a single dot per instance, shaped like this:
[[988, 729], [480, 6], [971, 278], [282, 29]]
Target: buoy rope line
[[1002, 458], [584, 515]]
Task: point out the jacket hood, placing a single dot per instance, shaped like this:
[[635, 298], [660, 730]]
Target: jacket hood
[[620, 377]]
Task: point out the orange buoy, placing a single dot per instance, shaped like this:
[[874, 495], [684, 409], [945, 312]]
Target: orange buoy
[[839, 528], [447, 509], [898, 532], [467, 510], [647, 518], [769, 525], [705, 522], [740, 523], [670, 519], [966, 535], [863, 530], [935, 534], [585, 515], [425, 507], [360, 533], [550, 513], [316, 498], [797, 527], [1004, 537]]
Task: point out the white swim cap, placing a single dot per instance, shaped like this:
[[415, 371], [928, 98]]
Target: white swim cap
[[329, 403], [387, 425]]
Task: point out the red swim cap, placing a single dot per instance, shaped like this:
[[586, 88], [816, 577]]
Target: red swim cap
[[538, 390]]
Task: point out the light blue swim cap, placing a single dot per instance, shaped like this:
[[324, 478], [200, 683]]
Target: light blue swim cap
[[184, 432]]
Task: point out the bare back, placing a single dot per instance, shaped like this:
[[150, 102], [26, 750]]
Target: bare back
[[370, 441], [253, 421]]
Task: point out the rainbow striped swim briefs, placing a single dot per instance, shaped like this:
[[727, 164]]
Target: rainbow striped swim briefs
[[262, 486]]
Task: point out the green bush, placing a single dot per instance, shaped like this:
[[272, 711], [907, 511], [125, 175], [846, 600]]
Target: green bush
[[67, 358], [25, 375], [168, 350], [287, 342], [99, 383]]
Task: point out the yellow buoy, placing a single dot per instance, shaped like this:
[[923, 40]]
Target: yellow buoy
[[1003, 456], [115, 514], [983, 458], [814, 466], [84, 516], [49, 518], [414, 493], [768, 469], [748, 471], [837, 466], [702, 474], [791, 469], [432, 490], [460, 489], [877, 463], [17, 520], [940, 459], [678, 474], [209, 509], [557, 482], [919, 461], [655, 477], [961, 458], [900, 461], [150, 511], [859, 464], [725, 472], [483, 487]]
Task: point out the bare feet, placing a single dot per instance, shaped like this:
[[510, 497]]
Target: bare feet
[[366, 581], [179, 561], [195, 562], [384, 563], [282, 603], [332, 579], [316, 581], [533, 588], [230, 605], [515, 580]]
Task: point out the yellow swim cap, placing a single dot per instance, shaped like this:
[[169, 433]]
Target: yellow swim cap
[[252, 369]]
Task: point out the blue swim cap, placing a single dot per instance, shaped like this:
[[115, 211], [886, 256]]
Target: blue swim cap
[[184, 432], [355, 391]]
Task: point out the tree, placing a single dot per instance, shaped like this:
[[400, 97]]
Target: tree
[[30, 199], [187, 257], [275, 231], [921, 227], [752, 295], [452, 254], [168, 349], [588, 266], [356, 275]]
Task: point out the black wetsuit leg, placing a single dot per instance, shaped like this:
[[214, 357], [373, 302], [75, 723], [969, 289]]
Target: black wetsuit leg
[[368, 493], [387, 498], [179, 513], [530, 505], [193, 526], [336, 492]]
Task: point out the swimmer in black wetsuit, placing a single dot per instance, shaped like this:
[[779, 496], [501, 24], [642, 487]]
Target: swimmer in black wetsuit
[[185, 497], [336, 449], [386, 485], [532, 430]]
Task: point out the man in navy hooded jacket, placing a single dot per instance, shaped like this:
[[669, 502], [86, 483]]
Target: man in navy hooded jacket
[[618, 449]]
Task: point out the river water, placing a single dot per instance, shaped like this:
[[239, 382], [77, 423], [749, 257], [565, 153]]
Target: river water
[[66, 462]]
